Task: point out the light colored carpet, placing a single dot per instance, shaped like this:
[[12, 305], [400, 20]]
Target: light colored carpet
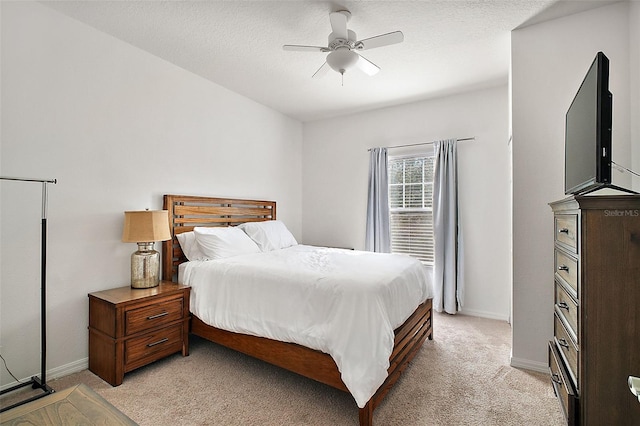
[[462, 377]]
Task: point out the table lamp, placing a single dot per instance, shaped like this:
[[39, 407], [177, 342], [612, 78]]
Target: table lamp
[[145, 228]]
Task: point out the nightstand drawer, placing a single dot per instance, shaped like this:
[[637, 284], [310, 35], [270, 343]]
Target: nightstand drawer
[[567, 269], [566, 230], [567, 347], [152, 346], [148, 317], [567, 309]]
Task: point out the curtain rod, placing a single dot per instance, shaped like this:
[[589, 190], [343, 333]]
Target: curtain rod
[[425, 143]]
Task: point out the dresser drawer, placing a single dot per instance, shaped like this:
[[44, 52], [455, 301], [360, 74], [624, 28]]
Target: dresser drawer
[[567, 347], [566, 226], [148, 317], [152, 346], [567, 269], [562, 385], [567, 309]]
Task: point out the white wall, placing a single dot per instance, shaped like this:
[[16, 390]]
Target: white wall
[[634, 49], [335, 168], [549, 61], [118, 128]]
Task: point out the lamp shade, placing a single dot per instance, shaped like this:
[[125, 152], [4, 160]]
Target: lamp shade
[[146, 226]]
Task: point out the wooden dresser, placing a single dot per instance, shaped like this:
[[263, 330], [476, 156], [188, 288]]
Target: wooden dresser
[[596, 343], [129, 328]]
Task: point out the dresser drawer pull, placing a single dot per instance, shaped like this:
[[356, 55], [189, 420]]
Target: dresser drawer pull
[[555, 377], [158, 342], [562, 342], [563, 231], [563, 268], [152, 317], [563, 305]]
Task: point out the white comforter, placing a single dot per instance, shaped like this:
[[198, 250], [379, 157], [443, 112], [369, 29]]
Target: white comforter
[[342, 302]]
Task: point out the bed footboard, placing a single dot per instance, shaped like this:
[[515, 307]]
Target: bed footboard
[[409, 338], [319, 366]]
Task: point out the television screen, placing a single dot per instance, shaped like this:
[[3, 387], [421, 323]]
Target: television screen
[[588, 132]]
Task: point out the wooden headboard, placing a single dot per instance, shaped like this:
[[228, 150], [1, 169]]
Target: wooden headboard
[[187, 212]]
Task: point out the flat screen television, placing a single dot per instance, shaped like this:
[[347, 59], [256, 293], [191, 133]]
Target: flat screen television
[[587, 156]]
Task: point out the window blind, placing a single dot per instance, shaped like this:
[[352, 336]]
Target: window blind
[[411, 206]]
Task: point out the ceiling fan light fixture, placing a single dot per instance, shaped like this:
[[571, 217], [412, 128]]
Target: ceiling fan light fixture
[[342, 60]]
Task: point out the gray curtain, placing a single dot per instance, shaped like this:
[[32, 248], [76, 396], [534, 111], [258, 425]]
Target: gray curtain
[[448, 265], [378, 237]]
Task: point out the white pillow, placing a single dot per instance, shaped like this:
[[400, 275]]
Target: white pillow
[[189, 246], [269, 235], [219, 243]]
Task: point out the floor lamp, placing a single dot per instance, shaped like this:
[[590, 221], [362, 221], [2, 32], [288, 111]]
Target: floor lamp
[[38, 382]]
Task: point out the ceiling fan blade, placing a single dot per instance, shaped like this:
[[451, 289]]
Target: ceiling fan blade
[[380, 40], [298, 48], [321, 71], [339, 23], [367, 66]]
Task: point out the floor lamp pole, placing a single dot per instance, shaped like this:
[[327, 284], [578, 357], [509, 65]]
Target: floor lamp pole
[[43, 281], [38, 382]]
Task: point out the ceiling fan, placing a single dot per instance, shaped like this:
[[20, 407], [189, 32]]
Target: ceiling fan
[[343, 47]]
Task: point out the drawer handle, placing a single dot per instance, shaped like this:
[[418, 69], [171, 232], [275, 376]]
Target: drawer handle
[[563, 268], [563, 343], [152, 317], [563, 231], [555, 377], [158, 342], [563, 305]]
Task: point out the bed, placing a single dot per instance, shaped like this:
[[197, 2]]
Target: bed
[[188, 212]]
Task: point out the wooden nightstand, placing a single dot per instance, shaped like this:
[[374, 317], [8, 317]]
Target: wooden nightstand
[[130, 328]]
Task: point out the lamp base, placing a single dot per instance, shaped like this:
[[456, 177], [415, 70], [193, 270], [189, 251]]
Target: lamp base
[[145, 267]]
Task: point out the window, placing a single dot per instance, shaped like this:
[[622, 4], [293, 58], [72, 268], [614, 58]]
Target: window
[[411, 205]]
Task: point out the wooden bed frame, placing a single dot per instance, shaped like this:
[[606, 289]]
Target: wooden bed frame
[[186, 212]]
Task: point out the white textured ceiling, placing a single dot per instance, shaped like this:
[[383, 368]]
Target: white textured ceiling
[[449, 46]]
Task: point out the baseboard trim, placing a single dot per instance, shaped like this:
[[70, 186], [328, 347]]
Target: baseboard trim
[[527, 364], [484, 314], [65, 370], [55, 373]]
